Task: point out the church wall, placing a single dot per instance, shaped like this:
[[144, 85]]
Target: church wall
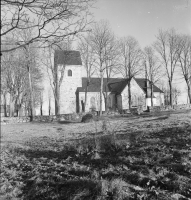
[[119, 103], [68, 89], [137, 95], [159, 98], [125, 98], [162, 98], [148, 102], [93, 101], [111, 101]]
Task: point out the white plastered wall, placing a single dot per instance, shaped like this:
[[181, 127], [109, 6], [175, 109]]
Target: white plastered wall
[[136, 91], [90, 95], [148, 102], [68, 89]]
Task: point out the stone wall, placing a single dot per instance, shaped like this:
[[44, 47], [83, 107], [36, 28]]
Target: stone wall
[[62, 117], [78, 116], [168, 107], [46, 118], [182, 106], [14, 120]]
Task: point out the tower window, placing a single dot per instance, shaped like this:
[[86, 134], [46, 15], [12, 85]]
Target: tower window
[[69, 72]]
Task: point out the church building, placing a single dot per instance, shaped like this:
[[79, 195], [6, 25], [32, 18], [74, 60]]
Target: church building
[[74, 87]]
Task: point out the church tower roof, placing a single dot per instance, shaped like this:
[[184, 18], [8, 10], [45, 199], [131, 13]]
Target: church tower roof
[[67, 57]]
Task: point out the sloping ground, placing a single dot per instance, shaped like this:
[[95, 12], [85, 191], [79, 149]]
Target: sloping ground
[[131, 157]]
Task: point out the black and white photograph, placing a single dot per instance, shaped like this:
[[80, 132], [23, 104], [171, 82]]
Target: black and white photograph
[[95, 100]]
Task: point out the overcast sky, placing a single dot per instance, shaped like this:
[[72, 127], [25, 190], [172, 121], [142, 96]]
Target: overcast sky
[[143, 18]]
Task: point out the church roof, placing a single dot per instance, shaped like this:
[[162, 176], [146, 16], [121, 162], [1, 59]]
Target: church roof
[[95, 83], [67, 57], [115, 85], [142, 83]]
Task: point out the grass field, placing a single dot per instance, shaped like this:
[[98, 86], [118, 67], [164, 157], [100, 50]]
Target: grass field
[[124, 157]]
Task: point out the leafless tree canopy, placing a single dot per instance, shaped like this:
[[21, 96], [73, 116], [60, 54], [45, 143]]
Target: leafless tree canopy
[[130, 57], [185, 61], [15, 79], [152, 68], [102, 39], [152, 65], [55, 72], [169, 46], [51, 20], [87, 55], [130, 60]]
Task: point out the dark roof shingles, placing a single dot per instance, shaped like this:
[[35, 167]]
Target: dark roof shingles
[[142, 83], [67, 57], [115, 85], [95, 83]]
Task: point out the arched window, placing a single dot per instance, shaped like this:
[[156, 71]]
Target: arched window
[[69, 72], [92, 103]]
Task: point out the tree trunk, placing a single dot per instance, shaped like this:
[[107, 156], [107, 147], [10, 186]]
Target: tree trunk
[[129, 91], [31, 92], [105, 95], [49, 107], [11, 110], [189, 91], [57, 92], [171, 98], [85, 99], [26, 109], [57, 101], [101, 91], [20, 110], [17, 106], [16, 109], [5, 104], [86, 95], [151, 94], [106, 101], [41, 113]]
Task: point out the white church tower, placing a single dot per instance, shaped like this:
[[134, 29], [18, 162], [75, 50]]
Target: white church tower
[[71, 61]]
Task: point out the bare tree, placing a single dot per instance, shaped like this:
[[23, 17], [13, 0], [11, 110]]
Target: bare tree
[[31, 64], [15, 80], [3, 86], [168, 46], [51, 20], [56, 72], [176, 93], [185, 62], [152, 68], [130, 64], [111, 64], [88, 60], [101, 37], [49, 101], [41, 103]]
